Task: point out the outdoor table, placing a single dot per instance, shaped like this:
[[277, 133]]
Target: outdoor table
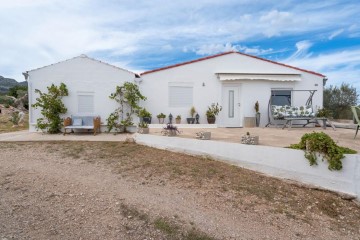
[[309, 120]]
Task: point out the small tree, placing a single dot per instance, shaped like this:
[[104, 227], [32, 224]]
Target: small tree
[[339, 99], [128, 96], [17, 91], [51, 107]]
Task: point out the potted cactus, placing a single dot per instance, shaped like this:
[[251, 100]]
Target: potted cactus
[[257, 114]]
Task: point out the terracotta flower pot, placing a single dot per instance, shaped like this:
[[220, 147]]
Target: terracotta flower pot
[[211, 120]]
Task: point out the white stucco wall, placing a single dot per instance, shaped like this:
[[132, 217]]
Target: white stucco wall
[[155, 86], [80, 74], [274, 161]]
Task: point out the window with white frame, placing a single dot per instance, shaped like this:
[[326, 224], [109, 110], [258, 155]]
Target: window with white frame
[[85, 102], [180, 95], [281, 97]]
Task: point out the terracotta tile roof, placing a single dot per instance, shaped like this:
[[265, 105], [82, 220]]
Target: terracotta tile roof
[[225, 53]]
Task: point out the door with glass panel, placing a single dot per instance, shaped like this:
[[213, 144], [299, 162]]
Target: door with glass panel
[[231, 107]]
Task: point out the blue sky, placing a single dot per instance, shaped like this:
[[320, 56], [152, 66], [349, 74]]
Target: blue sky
[[141, 35]]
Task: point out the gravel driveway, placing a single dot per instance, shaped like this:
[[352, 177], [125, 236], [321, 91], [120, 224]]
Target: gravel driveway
[[98, 190]]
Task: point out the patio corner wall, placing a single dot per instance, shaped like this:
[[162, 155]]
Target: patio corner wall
[[274, 161]]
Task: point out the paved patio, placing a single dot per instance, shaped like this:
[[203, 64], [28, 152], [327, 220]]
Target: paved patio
[[276, 137], [268, 136]]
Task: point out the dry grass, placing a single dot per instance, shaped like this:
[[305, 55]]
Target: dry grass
[[7, 126], [242, 189]]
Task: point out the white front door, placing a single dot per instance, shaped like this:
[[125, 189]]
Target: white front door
[[231, 107]]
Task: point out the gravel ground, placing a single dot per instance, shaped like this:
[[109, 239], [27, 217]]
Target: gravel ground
[[84, 190]]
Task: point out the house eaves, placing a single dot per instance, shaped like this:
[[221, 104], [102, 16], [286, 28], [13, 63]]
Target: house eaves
[[26, 73], [226, 53]]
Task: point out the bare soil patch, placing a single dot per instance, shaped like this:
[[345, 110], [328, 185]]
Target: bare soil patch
[[113, 190]]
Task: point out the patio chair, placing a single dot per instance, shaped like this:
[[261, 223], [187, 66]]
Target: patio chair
[[355, 111]]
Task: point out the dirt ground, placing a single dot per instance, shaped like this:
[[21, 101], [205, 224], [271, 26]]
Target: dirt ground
[[109, 190]]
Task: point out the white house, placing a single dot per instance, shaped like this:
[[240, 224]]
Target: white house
[[90, 83], [234, 80]]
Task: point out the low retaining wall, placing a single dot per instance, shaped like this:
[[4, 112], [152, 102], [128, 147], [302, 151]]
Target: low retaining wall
[[278, 162]]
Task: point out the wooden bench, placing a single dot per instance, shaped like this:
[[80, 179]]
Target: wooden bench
[[82, 122]]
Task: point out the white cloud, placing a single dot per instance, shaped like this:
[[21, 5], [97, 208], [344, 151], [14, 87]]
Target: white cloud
[[39, 32], [338, 66], [302, 50], [276, 21], [210, 49], [256, 50], [353, 27], [336, 33], [167, 47], [215, 48]]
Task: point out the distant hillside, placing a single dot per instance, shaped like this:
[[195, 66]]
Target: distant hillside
[[6, 83]]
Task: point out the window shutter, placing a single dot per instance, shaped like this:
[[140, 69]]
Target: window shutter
[[180, 96], [86, 103]]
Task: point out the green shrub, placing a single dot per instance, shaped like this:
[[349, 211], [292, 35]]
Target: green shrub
[[319, 142], [6, 101], [161, 115], [15, 118], [51, 108], [144, 113]]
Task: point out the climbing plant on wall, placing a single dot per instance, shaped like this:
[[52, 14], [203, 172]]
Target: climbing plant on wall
[[51, 108], [128, 96]]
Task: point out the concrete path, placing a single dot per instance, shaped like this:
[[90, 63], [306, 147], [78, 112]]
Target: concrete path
[[28, 136]]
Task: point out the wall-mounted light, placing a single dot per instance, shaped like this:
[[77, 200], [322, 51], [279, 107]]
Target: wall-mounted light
[[203, 84], [138, 79]]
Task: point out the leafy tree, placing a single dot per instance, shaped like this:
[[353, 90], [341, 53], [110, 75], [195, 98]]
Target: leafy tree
[[51, 108], [17, 91], [339, 99], [128, 96]]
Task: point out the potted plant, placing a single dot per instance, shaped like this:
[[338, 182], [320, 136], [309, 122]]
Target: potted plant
[[212, 112], [143, 128], [161, 118], [128, 125], [192, 113], [257, 115], [178, 119], [170, 130], [145, 116]]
